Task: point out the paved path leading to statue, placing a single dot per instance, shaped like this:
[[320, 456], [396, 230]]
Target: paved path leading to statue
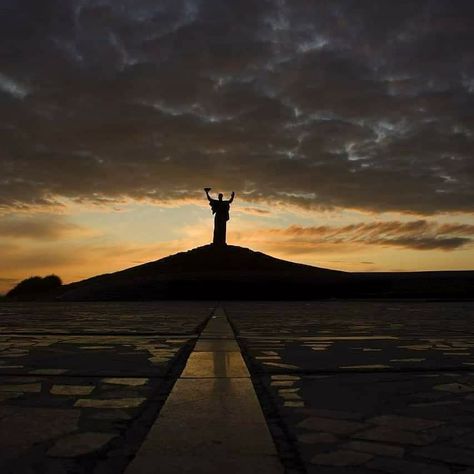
[[212, 421]]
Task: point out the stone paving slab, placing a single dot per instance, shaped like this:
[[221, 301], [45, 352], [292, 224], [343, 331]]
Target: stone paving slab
[[340, 336], [378, 422], [216, 364], [162, 317], [80, 384], [89, 355], [68, 422], [213, 345], [366, 387], [409, 319], [370, 353], [209, 425]]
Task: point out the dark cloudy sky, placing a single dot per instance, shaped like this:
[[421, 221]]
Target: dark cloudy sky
[[319, 114]]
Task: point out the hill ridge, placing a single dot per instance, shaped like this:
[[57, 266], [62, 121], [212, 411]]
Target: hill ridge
[[231, 273], [212, 265]]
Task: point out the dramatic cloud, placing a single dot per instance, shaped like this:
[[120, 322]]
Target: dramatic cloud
[[362, 104], [37, 227], [416, 235], [254, 211]]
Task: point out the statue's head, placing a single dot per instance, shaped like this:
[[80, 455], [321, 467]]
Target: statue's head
[[220, 196]]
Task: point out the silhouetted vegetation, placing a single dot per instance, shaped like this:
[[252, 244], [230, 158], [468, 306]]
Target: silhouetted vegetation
[[35, 287]]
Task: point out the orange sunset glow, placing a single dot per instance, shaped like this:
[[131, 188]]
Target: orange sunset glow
[[347, 135]]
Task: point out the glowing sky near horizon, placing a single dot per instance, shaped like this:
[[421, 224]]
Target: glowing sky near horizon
[[345, 128]]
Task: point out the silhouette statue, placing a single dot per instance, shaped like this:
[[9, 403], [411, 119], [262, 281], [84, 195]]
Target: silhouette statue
[[220, 209]]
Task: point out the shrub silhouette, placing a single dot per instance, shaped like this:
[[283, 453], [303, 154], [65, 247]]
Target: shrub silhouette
[[35, 287]]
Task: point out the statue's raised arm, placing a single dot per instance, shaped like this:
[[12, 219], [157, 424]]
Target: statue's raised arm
[[206, 190]]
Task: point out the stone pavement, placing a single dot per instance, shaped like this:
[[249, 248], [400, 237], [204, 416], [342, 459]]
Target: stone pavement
[[366, 387], [80, 384], [360, 387]]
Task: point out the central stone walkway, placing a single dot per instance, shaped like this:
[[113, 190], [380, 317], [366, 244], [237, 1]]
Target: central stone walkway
[[212, 420]]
